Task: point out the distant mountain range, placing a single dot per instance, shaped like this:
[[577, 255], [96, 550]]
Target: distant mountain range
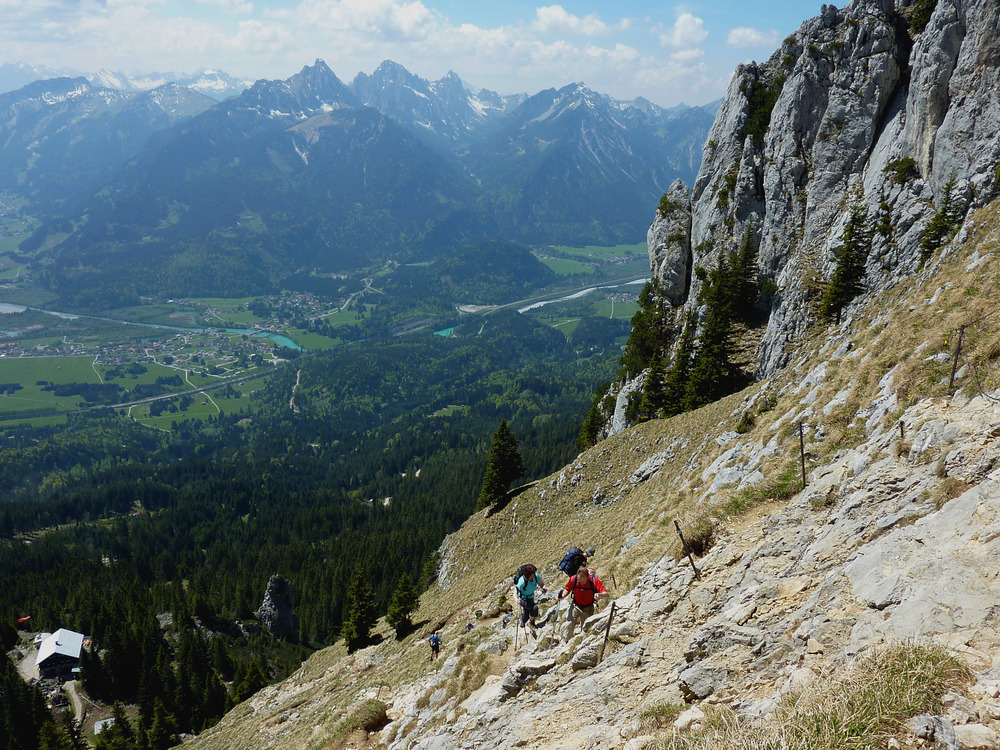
[[63, 139], [213, 83], [167, 190]]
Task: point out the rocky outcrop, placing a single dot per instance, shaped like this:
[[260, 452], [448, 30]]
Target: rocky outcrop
[[275, 612], [854, 97], [669, 242], [856, 110]]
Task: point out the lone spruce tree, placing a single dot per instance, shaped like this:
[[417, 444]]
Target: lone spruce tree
[[503, 466], [849, 275], [361, 611], [402, 604]]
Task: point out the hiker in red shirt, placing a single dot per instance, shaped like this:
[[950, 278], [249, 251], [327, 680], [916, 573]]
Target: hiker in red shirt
[[585, 587]]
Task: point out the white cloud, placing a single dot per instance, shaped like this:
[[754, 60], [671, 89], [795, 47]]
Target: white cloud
[[351, 35], [554, 19], [230, 6], [688, 31], [744, 37], [376, 19], [687, 56]]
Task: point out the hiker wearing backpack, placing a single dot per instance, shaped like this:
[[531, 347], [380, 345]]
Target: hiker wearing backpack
[[435, 641], [528, 582], [574, 558], [585, 588]]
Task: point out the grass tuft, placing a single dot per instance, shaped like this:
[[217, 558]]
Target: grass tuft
[[660, 716], [864, 708], [369, 716]]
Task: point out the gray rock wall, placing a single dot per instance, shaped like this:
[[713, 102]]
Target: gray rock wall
[[858, 94]]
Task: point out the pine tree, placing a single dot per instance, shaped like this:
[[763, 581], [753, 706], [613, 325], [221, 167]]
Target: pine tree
[[713, 371], [253, 680], [163, 732], [848, 277], [942, 224], [647, 338], [653, 390], [402, 604], [51, 737], [744, 285], [120, 735], [361, 611], [503, 466], [675, 388]]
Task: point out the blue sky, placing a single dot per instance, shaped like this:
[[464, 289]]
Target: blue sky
[[666, 52]]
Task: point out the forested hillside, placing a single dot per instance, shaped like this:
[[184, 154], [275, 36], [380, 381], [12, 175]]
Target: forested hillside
[[159, 545]]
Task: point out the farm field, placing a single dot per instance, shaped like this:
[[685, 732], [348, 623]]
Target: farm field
[[567, 266], [612, 308], [603, 253], [29, 371]]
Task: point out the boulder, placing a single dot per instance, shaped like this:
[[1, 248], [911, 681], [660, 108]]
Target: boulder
[[698, 682]]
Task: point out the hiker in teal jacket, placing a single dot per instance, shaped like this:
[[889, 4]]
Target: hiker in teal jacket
[[527, 584]]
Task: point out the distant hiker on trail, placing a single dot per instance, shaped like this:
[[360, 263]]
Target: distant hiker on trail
[[585, 587], [574, 558], [469, 626], [435, 641], [528, 582]]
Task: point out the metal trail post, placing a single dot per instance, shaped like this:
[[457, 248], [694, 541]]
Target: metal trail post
[[802, 454], [954, 365], [687, 551]]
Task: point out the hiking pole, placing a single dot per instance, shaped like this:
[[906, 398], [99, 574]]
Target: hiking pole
[[517, 626]]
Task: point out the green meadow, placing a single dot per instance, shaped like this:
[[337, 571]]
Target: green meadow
[[31, 399], [597, 252], [567, 266], [608, 308]]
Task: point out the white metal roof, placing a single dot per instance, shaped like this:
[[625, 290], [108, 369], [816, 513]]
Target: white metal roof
[[64, 642]]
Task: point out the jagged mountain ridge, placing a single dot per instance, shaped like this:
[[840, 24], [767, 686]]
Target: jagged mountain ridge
[[444, 113], [562, 142], [290, 174]]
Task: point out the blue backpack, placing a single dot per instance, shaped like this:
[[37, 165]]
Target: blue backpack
[[572, 561]]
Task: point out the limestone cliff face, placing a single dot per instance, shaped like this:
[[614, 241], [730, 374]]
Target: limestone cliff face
[[830, 123], [669, 242]]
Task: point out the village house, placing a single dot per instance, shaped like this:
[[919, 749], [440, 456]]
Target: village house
[[59, 653]]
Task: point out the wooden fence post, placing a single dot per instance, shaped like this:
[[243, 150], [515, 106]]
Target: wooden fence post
[[802, 454], [954, 365], [687, 550], [607, 632]]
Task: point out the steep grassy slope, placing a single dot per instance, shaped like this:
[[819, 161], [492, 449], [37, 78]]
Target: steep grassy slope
[[795, 586]]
